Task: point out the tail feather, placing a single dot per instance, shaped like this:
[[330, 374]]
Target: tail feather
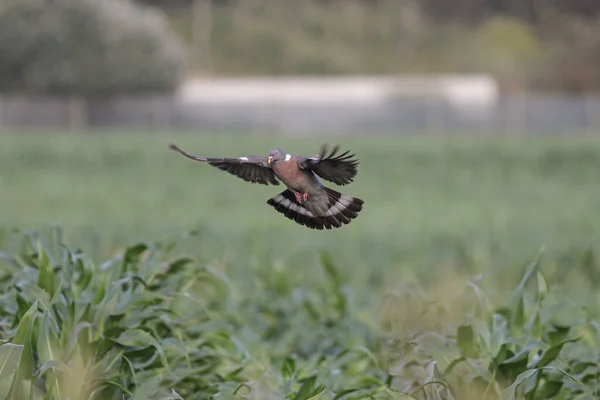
[[292, 210], [340, 209]]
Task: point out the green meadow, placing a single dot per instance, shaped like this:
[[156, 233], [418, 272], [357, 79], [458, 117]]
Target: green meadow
[[471, 273]]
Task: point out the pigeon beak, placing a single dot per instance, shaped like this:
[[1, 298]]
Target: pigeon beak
[[269, 160]]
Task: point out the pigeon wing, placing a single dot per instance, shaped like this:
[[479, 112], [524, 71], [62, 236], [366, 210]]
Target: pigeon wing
[[254, 169], [331, 166]]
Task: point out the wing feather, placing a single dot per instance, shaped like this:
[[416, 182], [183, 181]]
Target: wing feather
[[254, 169], [331, 166]]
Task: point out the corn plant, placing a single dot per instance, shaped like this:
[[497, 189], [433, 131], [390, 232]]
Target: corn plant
[[130, 327], [150, 324]]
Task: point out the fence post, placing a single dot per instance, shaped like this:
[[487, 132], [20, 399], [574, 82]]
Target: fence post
[[77, 118], [160, 112], [591, 111], [515, 106], [435, 124]]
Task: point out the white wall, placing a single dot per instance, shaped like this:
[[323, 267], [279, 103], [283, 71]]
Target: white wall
[[468, 90]]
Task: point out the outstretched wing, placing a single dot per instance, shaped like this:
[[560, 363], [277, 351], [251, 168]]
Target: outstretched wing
[[339, 169], [253, 169]]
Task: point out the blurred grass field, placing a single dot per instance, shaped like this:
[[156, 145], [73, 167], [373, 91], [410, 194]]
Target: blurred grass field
[[432, 205], [277, 315]]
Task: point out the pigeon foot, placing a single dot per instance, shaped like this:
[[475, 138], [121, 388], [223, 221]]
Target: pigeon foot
[[301, 198]]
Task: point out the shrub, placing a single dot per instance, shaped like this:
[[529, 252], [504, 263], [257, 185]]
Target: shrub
[[572, 57], [86, 47]]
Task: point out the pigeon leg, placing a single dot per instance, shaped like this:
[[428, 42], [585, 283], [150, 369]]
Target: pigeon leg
[[305, 197], [298, 197]]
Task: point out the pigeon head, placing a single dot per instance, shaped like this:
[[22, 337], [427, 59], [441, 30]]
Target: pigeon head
[[276, 154]]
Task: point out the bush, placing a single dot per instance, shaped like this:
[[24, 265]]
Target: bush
[[505, 47], [572, 56], [86, 47]]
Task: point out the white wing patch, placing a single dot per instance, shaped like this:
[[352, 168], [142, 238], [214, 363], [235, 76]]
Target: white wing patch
[[243, 158]]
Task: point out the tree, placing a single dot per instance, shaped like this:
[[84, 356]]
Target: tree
[[87, 47]]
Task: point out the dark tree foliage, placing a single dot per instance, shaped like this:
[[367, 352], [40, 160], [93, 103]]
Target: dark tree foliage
[[86, 47], [527, 10], [469, 10], [175, 5]]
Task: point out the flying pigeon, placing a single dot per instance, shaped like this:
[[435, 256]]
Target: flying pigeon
[[306, 200]]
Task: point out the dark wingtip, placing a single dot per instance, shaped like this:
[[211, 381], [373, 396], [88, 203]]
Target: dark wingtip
[[335, 149], [323, 151], [174, 147]]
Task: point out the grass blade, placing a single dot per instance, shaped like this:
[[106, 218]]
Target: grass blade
[[10, 357]]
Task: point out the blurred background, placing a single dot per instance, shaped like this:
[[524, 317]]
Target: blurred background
[[476, 123], [288, 67]]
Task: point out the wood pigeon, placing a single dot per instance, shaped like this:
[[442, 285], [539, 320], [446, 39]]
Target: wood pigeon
[[306, 200]]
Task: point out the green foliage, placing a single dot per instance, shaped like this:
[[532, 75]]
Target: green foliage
[[542, 46], [512, 352], [287, 37], [453, 204], [132, 326], [86, 47], [571, 61], [422, 297], [507, 48], [148, 324]]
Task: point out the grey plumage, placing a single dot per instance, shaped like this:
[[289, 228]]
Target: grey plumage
[[306, 200], [332, 211]]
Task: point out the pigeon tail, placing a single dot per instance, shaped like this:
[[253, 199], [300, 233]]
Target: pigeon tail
[[337, 209]]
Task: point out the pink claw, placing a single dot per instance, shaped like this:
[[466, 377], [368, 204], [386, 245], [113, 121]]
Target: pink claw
[[301, 198]]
